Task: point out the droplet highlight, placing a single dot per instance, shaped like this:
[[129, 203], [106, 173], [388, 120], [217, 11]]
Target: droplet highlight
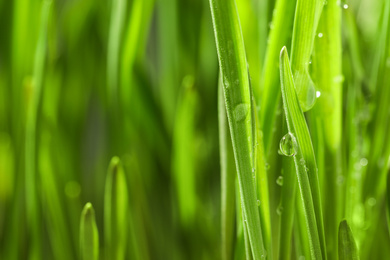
[[279, 181], [288, 145], [240, 112]]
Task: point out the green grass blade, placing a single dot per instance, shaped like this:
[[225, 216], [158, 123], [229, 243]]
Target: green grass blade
[[262, 189], [115, 211], [233, 66], [307, 14], [32, 198], [304, 160], [388, 201], [328, 78], [89, 236], [183, 158], [280, 32], [347, 246], [287, 205], [118, 14], [228, 176]]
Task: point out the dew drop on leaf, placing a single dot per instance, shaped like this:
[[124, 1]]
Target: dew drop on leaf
[[279, 181], [240, 112], [288, 145], [279, 210]]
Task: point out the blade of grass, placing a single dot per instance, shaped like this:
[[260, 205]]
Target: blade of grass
[[228, 176], [347, 246], [280, 32], [287, 203], [183, 161], [32, 198], [262, 188], [53, 213], [115, 211], [307, 14], [304, 160], [89, 236], [328, 78], [233, 66], [118, 14]]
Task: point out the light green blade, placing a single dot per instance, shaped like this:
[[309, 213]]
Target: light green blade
[[304, 159], [115, 211], [89, 236], [228, 177], [347, 246], [233, 66], [307, 14]]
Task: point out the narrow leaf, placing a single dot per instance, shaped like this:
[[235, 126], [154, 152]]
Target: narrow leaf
[[304, 159], [89, 236], [115, 211], [347, 246], [233, 66]]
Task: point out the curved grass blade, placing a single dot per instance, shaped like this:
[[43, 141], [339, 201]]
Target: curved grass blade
[[89, 236], [233, 66], [228, 176], [115, 211], [347, 246], [32, 200], [304, 160], [280, 32], [306, 19], [118, 13]]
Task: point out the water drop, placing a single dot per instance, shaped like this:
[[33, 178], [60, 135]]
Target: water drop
[[338, 79], [241, 112], [371, 202], [340, 180], [226, 82], [279, 181], [305, 89], [253, 169], [72, 189], [320, 35], [302, 161], [279, 210], [288, 145], [345, 6], [318, 94], [267, 166], [258, 202], [388, 62], [363, 162]]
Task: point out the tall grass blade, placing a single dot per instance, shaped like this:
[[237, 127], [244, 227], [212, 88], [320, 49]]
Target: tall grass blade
[[328, 78], [282, 22], [347, 246], [233, 66], [118, 14], [116, 211], [32, 198], [287, 207], [228, 176], [307, 14], [304, 160], [89, 236], [183, 161]]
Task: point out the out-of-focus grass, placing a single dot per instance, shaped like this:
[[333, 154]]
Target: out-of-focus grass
[[82, 81]]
